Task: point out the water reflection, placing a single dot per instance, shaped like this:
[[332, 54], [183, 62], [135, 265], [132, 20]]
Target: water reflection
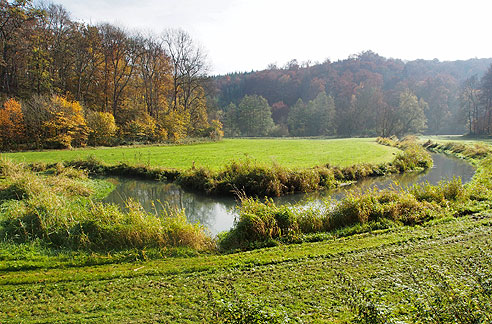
[[217, 213]]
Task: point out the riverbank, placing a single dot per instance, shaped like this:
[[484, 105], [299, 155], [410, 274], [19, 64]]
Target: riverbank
[[419, 274], [252, 178]]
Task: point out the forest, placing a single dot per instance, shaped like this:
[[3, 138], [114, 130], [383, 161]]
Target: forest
[[363, 95], [68, 84]]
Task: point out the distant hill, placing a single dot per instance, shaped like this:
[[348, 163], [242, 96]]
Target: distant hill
[[434, 81]]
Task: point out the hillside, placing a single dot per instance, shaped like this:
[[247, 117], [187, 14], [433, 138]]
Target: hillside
[[365, 88]]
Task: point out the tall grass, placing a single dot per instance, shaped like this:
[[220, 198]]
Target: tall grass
[[264, 223], [56, 207]]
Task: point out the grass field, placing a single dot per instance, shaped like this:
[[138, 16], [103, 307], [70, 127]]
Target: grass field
[[300, 282], [286, 152], [456, 139]]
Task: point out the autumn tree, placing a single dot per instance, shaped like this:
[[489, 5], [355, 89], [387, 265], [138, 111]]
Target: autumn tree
[[12, 129], [121, 53], [410, 114], [66, 125], [16, 20], [102, 128], [87, 70]]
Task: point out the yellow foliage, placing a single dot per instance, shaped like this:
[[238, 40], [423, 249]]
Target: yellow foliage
[[161, 134], [102, 128], [198, 113], [141, 129], [216, 132], [12, 130], [176, 124], [66, 126]]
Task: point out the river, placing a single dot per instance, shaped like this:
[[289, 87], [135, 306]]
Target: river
[[218, 213]]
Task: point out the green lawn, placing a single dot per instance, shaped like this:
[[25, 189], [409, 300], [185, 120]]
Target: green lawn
[[286, 152]]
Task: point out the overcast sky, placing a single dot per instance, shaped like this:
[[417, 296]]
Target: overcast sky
[[245, 35]]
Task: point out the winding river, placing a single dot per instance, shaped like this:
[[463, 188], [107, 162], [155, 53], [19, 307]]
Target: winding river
[[218, 213]]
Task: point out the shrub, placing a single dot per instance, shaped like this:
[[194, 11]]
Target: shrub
[[102, 128]]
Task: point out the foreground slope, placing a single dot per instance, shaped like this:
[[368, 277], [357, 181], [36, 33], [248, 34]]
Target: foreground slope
[[328, 281]]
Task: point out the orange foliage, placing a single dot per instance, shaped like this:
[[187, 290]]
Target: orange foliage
[[12, 131]]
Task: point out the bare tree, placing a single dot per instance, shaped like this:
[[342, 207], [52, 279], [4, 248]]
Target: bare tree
[[154, 68], [189, 68]]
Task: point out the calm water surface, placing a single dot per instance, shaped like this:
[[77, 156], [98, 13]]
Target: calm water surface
[[218, 213]]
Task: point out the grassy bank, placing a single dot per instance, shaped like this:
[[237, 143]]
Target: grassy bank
[[59, 206], [289, 153]]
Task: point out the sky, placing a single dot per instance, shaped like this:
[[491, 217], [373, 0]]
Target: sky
[[246, 35]]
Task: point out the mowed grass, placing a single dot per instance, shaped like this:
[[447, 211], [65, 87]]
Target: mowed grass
[[301, 281], [292, 153]]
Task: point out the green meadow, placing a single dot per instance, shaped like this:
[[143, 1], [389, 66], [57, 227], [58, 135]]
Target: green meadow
[[292, 153]]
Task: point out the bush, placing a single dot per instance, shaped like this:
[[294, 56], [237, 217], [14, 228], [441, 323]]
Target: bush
[[102, 128]]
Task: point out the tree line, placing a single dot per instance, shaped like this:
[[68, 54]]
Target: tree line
[[364, 95], [62, 72], [476, 103], [65, 83]]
